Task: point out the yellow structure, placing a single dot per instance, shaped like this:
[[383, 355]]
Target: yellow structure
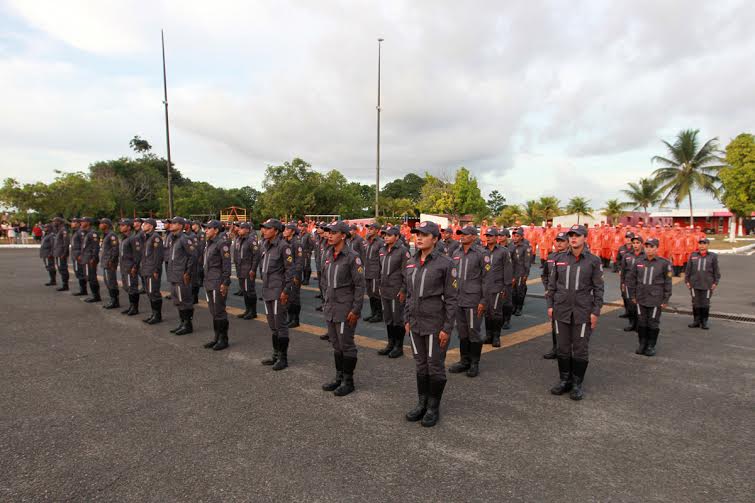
[[233, 214]]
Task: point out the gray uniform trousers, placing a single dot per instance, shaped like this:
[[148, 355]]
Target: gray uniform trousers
[[111, 277], [573, 340], [468, 324], [701, 298], [341, 336], [152, 287], [393, 311], [428, 355], [181, 295], [216, 304], [649, 316], [277, 317]]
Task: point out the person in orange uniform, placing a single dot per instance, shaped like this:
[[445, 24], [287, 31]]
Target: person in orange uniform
[[678, 249], [534, 237], [483, 229], [690, 243], [455, 226], [606, 242], [619, 240], [594, 241], [545, 245]]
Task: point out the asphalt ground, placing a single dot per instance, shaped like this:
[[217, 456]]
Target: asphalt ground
[[96, 406]]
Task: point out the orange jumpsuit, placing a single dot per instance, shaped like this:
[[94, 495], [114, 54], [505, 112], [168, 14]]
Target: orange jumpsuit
[[606, 241], [678, 245], [545, 245], [594, 240]]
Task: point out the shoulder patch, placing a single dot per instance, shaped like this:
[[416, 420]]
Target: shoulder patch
[[360, 270], [358, 261], [454, 272], [288, 251], [225, 248], [487, 259]]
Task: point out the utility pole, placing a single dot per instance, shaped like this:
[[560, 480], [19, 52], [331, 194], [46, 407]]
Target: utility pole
[[167, 130], [377, 170]]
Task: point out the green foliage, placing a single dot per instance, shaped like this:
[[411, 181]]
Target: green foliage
[[496, 202], [738, 178], [531, 212], [688, 167], [579, 206], [643, 194], [459, 198], [614, 210], [509, 215], [409, 187], [549, 207]]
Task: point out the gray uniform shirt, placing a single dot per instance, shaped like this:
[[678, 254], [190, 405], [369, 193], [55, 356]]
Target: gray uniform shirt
[[344, 290], [216, 263], [110, 251], [131, 252], [62, 242], [702, 270], [650, 281], [182, 258], [393, 263], [90, 246], [152, 254], [471, 269], [431, 294], [372, 257], [575, 287], [277, 266]]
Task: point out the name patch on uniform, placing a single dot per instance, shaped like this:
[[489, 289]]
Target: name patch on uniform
[[411, 266], [561, 263], [457, 258]]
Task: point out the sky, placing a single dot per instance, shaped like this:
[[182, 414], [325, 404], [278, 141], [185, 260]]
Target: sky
[[535, 98]]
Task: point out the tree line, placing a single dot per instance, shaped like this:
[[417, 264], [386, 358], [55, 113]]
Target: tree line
[[137, 186]]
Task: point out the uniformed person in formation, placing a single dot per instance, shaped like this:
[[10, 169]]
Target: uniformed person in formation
[[46, 253], [702, 277], [277, 268], [521, 256], [372, 245], [628, 261], [561, 244], [447, 244], [130, 256], [78, 269], [393, 258], [216, 263], [109, 260], [290, 231], [322, 253], [179, 268], [508, 303], [151, 268], [618, 263], [574, 298], [343, 272], [307, 246], [60, 251], [90, 256], [498, 278], [472, 264], [247, 258], [431, 306], [139, 233], [167, 243], [198, 277], [651, 284]]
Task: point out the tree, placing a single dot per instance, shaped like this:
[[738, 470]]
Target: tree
[[531, 212], [688, 166], [409, 187], [436, 196], [579, 206], [496, 202], [738, 177], [139, 145], [509, 215], [549, 207], [643, 194], [466, 194], [613, 211]]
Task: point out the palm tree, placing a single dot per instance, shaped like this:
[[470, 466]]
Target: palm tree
[[643, 194], [549, 207], [580, 206], [614, 210], [509, 215], [688, 167], [531, 211]]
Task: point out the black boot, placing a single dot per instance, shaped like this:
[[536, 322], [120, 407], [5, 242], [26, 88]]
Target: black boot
[[293, 315], [488, 333], [464, 362], [564, 376], [373, 311], [134, 304], [188, 327], [518, 309], [551, 355], [222, 336], [347, 384], [423, 389], [626, 309], [115, 302], [63, 287], [251, 308], [157, 312], [244, 315], [332, 386], [274, 358], [433, 403], [378, 312], [211, 344], [579, 367], [391, 341], [82, 288], [642, 340], [696, 316], [632, 326], [283, 355], [475, 350], [506, 318], [496, 330], [182, 319], [52, 281], [704, 317], [652, 341], [398, 342], [195, 295], [95, 294]]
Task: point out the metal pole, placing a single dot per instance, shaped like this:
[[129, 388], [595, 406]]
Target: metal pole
[[377, 170], [167, 130]]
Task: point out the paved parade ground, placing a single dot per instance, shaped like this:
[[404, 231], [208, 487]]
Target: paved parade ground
[[97, 406]]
